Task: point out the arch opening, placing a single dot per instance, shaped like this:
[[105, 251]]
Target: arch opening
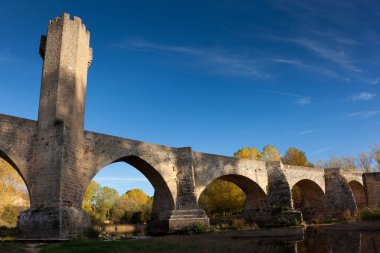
[[14, 193], [144, 200], [310, 200], [233, 197], [359, 194]]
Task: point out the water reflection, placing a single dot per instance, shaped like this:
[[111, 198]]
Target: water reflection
[[339, 242]]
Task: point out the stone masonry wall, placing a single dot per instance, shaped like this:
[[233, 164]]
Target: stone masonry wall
[[16, 137], [339, 196], [372, 186]]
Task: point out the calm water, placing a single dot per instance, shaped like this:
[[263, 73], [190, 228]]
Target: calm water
[[315, 242]]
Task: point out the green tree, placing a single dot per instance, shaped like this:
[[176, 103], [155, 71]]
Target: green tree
[[250, 153], [98, 201], [294, 156], [270, 153], [108, 198]]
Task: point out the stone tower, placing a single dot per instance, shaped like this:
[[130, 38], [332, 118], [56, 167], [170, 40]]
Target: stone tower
[[57, 146]]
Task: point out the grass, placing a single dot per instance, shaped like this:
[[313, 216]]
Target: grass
[[10, 247], [96, 246]]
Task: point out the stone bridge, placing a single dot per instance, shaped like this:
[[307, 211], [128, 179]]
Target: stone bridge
[[57, 159]]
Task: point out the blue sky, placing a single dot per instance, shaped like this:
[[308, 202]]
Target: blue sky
[[213, 75]]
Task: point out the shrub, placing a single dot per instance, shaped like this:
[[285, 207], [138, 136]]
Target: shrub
[[284, 222], [198, 228], [280, 209], [370, 213]]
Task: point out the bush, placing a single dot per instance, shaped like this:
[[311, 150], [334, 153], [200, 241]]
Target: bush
[[198, 228], [370, 213], [286, 222]]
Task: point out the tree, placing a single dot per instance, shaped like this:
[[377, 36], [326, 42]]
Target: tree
[[14, 195], [134, 207], [294, 156], [98, 201], [89, 196], [109, 196], [222, 197], [270, 153], [250, 153], [365, 161], [342, 162], [376, 154], [137, 195]]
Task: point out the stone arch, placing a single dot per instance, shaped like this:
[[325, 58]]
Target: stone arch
[[163, 200], [256, 199], [309, 198], [359, 193], [19, 165]]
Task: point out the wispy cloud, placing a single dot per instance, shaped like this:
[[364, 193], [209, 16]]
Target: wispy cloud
[[305, 132], [125, 179], [5, 56], [323, 150], [219, 60], [373, 81], [282, 93], [362, 96], [363, 114], [301, 100], [336, 55]]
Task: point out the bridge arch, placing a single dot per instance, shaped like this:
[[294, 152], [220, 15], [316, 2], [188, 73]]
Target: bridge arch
[[19, 165], [309, 198], [359, 193], [163, 200], [255, 197]]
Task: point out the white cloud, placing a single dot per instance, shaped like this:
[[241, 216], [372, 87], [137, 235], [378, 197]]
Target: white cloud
[[363, 114], [303, 101], [362, 96], [219, 60], [374, 81], [337, 56], [322, 150], [305, 132]]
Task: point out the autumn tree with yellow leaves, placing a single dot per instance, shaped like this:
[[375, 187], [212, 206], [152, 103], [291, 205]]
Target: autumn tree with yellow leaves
[[250, 153], [14, 195]]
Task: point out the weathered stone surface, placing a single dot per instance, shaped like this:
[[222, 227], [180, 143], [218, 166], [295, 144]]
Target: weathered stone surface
[[372, 186], [338, 194], [57, 159]]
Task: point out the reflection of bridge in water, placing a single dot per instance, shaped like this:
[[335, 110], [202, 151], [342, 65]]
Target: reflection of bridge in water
[[57, 159], [313, 240]]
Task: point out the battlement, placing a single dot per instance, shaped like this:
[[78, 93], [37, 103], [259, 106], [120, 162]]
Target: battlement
[[65, 18]]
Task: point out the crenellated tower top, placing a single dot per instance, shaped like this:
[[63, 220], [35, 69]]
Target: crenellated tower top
[[67, 55]]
